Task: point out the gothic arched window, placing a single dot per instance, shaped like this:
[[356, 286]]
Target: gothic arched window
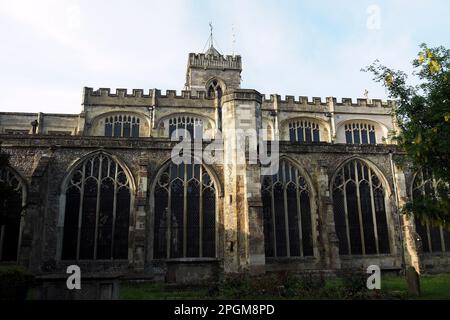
[[10, 214], [215, 90], [360, 133], [287, 213], [304, 131], [97, 211], [359, 210], [178, 126], [434, 238], [125, 126], [185, 213]]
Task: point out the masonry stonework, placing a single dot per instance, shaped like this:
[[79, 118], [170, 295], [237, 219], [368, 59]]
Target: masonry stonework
[[44, 159]]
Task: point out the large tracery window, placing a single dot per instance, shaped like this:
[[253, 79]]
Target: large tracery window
[[304, 131], [10, 215], [435, 239], [360, 133], [97, 211], [178, 126], [125, 126], [287, 213], [359, 210], [185, 213]]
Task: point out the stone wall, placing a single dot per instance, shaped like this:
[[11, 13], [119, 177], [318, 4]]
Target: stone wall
[[44, 161]]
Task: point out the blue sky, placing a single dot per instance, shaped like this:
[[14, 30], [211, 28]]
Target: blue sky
[[51, 49]]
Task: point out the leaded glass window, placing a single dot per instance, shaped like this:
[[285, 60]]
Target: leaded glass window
[[122, 125], [184, 213], [97, 211], [182, 125], [287, 213], [304, 131], [359, 210], [10, 215], [359, 133], [435, 239]]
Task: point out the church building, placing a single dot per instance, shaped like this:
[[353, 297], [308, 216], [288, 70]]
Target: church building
[[101, 189]]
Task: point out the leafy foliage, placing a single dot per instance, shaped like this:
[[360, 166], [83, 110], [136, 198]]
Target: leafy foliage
[[287, 285], [423, 116], [14, 282]]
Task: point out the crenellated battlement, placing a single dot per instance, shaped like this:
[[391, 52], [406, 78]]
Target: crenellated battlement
[[140, 93], [318, 101], [202, 60]]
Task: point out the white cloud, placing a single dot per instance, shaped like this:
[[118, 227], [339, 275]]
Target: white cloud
[[54, 48]]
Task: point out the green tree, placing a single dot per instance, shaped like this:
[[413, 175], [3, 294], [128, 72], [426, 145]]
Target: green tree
[[423, 115]]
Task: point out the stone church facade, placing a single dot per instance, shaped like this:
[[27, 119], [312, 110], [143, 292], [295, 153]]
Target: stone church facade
[[100, 189]]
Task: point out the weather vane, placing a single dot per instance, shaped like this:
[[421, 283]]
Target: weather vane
[[366, 94], [211, 27], [233, 41]]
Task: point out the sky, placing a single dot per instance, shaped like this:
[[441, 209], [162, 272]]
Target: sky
[[51, 49]]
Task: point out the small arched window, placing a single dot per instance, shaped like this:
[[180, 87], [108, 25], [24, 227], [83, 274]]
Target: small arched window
[[180, 126], [126, 126], [97, 211], [214, 90], [10, 214], [435, 239], [304, 131], [185, 213], [287, 213], [359, 210], [360, 133]]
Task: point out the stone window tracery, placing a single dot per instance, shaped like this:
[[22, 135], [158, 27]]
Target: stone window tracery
[[97, 211], [287, 213], [304, 131], [184, 213], [122, 125], [359, 210], [360, 133], [435, 239], [178, 126]]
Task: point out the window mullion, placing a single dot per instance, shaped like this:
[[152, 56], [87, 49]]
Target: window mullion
[[114, 210], [97, 207], [168, 216], [374, 216], [347, 226], [185, 210], [273, 222], [201, 211], [2, 237], [441, 234], [80, 211], [427, 224], [299, 213], [358, 199], [286, 216]]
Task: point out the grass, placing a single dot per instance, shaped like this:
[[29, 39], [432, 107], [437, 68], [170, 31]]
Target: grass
[[432, 287], [149, 291]]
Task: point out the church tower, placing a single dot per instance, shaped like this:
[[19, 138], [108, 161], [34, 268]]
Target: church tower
[[211, 71]]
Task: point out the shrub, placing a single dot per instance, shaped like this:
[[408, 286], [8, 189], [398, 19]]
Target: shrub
[[354, 284], [281, 284], [14, 282]]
